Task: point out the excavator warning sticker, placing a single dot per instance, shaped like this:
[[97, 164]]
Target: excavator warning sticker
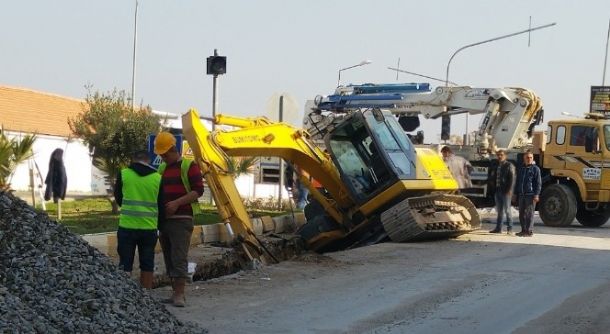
[[187, 151], [591, 173]]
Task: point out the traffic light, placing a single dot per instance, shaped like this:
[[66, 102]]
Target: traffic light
[[217, 65]]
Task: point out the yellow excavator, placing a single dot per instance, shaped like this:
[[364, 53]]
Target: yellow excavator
[[376, 184]]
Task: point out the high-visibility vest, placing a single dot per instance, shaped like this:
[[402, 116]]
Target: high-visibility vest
[[185, 164], [139, 209]]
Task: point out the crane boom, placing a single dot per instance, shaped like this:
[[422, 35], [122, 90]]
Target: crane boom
[[509, 114]]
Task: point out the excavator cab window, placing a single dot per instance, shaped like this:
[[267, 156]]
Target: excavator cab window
[[371, 152]]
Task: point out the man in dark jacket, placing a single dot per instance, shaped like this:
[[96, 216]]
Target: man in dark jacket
[[529, 184], [505, 183], [137, 192]]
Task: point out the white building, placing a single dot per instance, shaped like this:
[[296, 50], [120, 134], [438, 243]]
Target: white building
[[25, 111]]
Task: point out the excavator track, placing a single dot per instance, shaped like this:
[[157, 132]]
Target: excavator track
[[430, 217]]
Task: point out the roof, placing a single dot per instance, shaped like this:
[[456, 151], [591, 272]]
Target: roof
[[580, 121], [26, 110]]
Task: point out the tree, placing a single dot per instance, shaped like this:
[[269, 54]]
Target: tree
[[241, 165], [113, 131], [13, 152]]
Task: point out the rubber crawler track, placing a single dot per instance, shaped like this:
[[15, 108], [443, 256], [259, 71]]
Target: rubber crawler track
[[430, 217]]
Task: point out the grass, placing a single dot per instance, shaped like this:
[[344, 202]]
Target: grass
[[94, 215]]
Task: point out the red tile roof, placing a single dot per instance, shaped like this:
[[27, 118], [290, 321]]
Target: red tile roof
[[26, 110]]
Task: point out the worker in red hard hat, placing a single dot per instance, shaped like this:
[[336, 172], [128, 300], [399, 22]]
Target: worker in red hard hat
[[181, 186]]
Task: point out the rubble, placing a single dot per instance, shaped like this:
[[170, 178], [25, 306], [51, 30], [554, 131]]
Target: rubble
[[51, 281]]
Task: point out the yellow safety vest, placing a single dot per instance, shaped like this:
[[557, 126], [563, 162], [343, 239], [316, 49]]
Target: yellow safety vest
[[140, 193]]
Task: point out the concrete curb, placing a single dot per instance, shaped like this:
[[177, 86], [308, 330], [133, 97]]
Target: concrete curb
[[206, 234]]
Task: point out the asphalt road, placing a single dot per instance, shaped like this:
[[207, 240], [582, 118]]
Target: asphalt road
[[557, 281]]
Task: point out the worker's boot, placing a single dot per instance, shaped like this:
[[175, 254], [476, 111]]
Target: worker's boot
[[146, 279], [179, 297], [170, 300]]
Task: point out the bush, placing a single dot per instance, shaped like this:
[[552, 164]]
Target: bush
[[267, 204]]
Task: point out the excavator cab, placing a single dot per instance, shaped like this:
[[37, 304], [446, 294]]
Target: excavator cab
[[371, 153]]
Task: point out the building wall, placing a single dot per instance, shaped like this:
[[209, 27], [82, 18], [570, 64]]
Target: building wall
[[248, 188], [83, 178]]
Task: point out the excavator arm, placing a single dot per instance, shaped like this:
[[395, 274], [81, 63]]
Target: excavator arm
[[258, 137]]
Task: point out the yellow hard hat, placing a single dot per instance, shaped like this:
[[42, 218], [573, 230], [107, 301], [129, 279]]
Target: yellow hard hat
[[163, 142]]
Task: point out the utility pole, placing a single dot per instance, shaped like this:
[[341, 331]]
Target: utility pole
[[606, 57], [281, 119], [133, 67], [214, 97]]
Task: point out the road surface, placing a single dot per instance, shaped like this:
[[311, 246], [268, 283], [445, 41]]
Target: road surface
[[557, 281]]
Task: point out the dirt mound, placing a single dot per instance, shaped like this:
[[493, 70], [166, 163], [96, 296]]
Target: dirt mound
[[51, 281]]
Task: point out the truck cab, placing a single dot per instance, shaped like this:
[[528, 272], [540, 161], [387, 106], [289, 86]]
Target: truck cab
[[576, 172]]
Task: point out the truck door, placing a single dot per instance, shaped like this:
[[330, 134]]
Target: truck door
[[554, 157], [581, 157]]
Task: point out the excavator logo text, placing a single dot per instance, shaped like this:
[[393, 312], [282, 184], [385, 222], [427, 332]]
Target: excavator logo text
[[246, 139], [477, 93]]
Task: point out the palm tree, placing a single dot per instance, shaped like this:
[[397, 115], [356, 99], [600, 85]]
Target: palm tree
[[13, 152], [241, 165]]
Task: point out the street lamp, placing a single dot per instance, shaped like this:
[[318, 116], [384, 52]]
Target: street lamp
[[133, 67], [446, 121], [362, 63]]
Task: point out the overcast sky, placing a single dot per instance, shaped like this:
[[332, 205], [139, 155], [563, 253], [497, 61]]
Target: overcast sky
[[297, 47]]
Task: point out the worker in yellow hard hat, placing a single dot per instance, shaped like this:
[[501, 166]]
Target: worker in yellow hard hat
[[181, 186]]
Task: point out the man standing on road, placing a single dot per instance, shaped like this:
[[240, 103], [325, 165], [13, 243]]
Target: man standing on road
[[181, 186], [137, 192], [529, 184], [505, 183], [459, 167]]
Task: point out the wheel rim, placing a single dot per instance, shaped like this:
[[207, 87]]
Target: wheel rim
[[553, 207]]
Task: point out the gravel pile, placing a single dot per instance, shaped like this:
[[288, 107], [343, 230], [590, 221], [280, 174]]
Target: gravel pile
[[51, 281]]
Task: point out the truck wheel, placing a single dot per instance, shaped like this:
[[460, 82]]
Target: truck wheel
[[592, 218], [557, 205]]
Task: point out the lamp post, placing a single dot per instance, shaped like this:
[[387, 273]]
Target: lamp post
[[362, 63], [606, 56], [133, 67], [446, 118]]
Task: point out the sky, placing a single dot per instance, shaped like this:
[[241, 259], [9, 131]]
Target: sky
[[297, 47]]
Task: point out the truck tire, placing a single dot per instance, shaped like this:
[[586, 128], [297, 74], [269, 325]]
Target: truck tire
[[557, 205], [592, 218]]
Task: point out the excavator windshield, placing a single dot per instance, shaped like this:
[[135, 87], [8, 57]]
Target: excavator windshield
[[372, 152]]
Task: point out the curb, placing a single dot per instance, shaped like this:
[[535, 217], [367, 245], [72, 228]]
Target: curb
[[206, 234]]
